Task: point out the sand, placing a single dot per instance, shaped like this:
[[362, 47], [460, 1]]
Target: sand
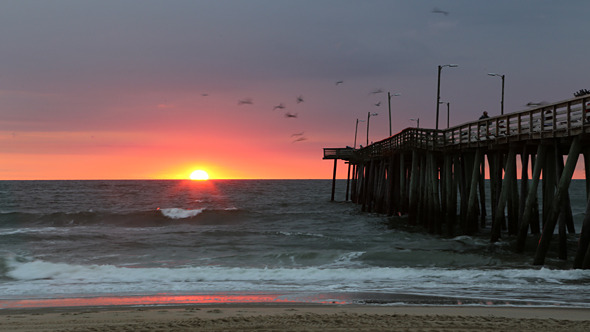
[[293, 317]]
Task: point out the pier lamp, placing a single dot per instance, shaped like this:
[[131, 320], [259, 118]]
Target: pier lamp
[[368, 120], [438, 89], [501, 102], [417, 122], [356, 128], [448, 111], [389, 95]]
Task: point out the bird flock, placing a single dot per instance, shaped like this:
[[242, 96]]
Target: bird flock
[[300, 136]]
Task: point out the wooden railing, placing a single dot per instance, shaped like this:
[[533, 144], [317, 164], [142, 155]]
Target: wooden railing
[[562, 119], [555, 120]]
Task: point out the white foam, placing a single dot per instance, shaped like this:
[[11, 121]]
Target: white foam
[[178, 213], [36, 278]]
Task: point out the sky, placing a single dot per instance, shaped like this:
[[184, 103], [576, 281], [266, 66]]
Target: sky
[[143, 89]]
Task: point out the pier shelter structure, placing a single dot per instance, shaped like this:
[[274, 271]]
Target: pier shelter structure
[[436, 177]]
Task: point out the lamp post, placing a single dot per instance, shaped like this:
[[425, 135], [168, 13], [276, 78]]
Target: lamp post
[[417, 122], [448, 111], [389, 95], [356, 128], [368, 119], [501, 102], [438, 89]]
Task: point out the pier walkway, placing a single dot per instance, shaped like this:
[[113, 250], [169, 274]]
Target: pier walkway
[[436, 178]]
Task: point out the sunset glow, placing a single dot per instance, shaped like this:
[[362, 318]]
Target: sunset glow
[[199, 175]]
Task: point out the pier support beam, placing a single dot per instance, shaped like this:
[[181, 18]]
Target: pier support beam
[[530, 200], [347, 183], [564, 182], [471, 222], [506, 186], [414, 182], [583, 242], [334, 179]]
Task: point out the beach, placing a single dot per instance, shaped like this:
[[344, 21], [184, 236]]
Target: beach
[[296, 317]]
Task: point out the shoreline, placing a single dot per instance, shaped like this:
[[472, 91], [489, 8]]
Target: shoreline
[[295, 317], [274, 298]]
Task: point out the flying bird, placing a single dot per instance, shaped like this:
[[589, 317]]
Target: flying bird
[[204, 94], [438, 11], [245, 101], [376, 91], [290, 115], [339, 82], [299, 99], [299, 139], [279, 107], [378, 104], [297, 134]]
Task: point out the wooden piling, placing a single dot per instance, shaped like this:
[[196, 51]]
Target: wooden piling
[[482, 192], [549, 183], [513, 203], [506, 186], [584, 240], [531, 199], [586, 152], [471, 225], [347, 183], [566, 177], [524, 182], [414, 181], [402, 185], [334, 179]]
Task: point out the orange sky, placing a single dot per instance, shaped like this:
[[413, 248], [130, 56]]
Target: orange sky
[[150, 90]]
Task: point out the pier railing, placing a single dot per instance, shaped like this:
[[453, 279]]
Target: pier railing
[[561, 119]]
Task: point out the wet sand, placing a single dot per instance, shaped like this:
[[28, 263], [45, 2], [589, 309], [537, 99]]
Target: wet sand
[[295, 317]]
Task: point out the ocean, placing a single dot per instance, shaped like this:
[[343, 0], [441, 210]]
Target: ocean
[[73, 243]]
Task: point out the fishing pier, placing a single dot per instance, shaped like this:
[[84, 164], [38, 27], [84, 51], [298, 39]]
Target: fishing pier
[[437, 177]]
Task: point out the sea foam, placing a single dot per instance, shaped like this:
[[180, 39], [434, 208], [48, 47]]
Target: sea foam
[[178, 213]]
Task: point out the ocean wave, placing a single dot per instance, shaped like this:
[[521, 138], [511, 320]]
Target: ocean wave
[[178, 213], [156, 217], [37, 277]]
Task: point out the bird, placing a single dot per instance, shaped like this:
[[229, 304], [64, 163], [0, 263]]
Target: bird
[[299, 99], [339, 82], [245, 101], [279, 107], [438, 11], [378, 104], [204, 94], [299, 139], [290, 115], [297, 134], [376, 91]]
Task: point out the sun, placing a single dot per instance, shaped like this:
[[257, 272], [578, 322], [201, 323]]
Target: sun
[[199, 175]]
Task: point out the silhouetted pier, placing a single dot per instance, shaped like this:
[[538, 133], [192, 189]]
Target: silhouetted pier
[[436, 178]]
